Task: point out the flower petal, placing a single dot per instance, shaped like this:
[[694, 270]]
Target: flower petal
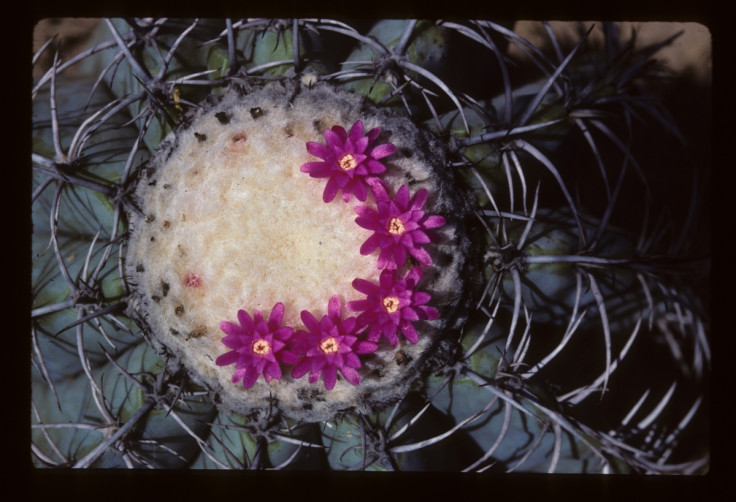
[[348, 326], [374, 334], [410, 225], [409, 314], [227, 358], [330, 190], [419, 199], [335, 137], [341, 179], [420, 298], [356, 131], [261, 326], [419, 237], [365, 287], [391, 337], [358, 305], [350, 375], [287, 357], [429, 313], [238, 375], [284, 333], [370, 245], [301, 368], [412, 278], [316, 169], [374, 167], [366, 318], [365, 347], [360, 144], [351, 360], [421, 255], [232, 329], [309, 321], [319, 150], [318, 362], [378, 189], [300, 342], [250, 377], [334, 309], [330, 377], [384, 150], [314, 376], [273, 370], [277, 314], [402, 198], [433, 221], [385, 259], [276, 345], [326, 326], [366, 212], [358, 189], [368, 221], [409, 332], [400, 256], [246, 321], [386, 281]]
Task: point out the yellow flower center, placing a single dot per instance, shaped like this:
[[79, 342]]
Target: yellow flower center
[[391, 304], [261, 347], [396, 226], [329, 345], [347, 162]]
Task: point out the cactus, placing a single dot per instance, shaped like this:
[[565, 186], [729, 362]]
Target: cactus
[[556, 319]]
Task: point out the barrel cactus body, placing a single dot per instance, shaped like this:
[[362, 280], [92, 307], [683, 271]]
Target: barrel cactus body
[[396, 245]]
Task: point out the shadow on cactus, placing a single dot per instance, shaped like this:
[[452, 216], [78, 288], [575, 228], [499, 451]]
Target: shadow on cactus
[[306, 244]]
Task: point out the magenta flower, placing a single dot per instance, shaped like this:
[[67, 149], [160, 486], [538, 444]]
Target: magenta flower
[[399, 226], [258, 346], [392, 305], [329, 346], [347, 160]]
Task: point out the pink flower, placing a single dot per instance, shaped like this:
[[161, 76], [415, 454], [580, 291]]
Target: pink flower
[[399, 226], [392, 304], [347, 160], [329, 346], [258, 346]]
